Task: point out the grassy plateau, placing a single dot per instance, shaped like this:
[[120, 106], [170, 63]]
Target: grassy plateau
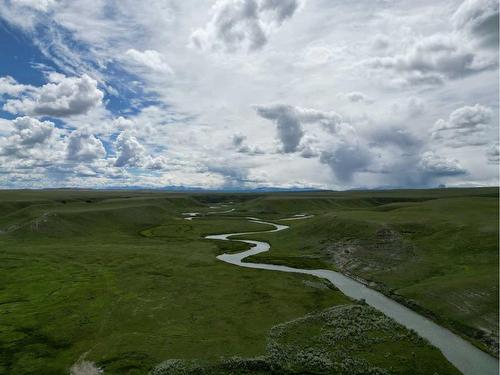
[[121, 280]]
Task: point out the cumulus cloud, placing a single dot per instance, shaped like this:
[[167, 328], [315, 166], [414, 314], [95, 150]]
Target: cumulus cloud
[[132, 153], [289, 120], [28, 132], [148, 59], [10, 87], [31, 147], [84, 147], [432, 59], [479, 19], [465, 125], [239, 141], [433, 165], [243, 24], [62, 97]]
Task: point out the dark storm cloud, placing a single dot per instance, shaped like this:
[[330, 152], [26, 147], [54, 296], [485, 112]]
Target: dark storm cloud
[[289, 120], [346, 160], [288, 125]]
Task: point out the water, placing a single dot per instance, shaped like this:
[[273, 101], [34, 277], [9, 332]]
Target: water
[[463, 355]]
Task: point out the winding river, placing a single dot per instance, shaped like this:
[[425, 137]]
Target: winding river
[[463, 355]]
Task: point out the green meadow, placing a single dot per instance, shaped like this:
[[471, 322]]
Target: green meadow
[[121, 279]]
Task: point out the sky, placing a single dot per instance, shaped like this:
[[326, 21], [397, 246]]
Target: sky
[[246, 94]]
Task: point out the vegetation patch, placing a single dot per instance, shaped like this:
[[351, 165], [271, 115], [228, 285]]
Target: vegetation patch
[[342, 340]]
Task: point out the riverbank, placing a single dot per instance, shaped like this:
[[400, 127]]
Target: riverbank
[[468, 359]]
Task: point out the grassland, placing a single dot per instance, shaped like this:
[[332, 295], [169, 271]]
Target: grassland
[[121, 279], [436, 251]]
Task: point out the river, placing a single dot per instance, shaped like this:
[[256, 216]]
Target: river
[[462, 354]]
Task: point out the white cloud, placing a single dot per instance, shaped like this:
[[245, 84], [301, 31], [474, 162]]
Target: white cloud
[[465, 125], [434, 165], [479, 19], [130, 151], [433, 59], [63, 97], [239, 141], [10, 87], [31, 131], [31, 143], [84, 147], [149, 59], [39, 5], [242, 24], [435, 62]]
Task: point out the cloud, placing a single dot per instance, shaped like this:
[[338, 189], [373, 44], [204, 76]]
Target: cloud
[[31, 147], [465, 125], [433, 165], [30, 131], [289, 120], [10, 87], [394, 135], [493, 154], [479, 19], [381, 42], [149, 59], [304, 58], [131, 153], [346, 160], [432, 60], [288, 124], [239, 141], [242, 24], [27, 134], [63, 97], [308, 147], [84, 147], [415, 107], [39, 5], [359, 97]]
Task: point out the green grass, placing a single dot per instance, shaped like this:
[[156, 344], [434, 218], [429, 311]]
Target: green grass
[[85, 280], [342, 340], [121, 279], [439, 256]]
